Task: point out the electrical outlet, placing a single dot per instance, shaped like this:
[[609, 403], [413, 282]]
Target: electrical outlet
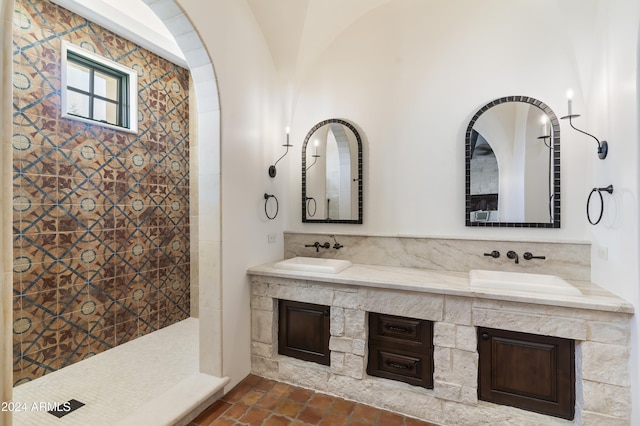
[[603, 252], [271, 238]]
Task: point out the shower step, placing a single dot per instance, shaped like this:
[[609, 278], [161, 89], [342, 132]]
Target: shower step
[[191, 395]]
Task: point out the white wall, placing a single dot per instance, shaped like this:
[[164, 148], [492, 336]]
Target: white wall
[[613, 114], [411, 74], [252, 132]]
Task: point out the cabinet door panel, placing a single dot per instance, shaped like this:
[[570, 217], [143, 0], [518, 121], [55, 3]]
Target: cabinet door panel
[[303, 331], [527, 371], [526, 368]]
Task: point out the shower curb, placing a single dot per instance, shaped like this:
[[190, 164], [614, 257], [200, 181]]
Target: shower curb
[[179, 405]]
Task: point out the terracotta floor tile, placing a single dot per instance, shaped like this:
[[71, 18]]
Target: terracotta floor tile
[[311, 415], [237, 392], [252, 380], [300, 395], [331, 419], [321, 401], [275, 420], [289, 408], [223, 422], [251, 397], [343, 407], [269, 402], [212, 413], [236, 411], [280, 389], [257, 401], [365, 414], [255, 416], [265, 385], [414, 422], [354, 422], [391, 419]]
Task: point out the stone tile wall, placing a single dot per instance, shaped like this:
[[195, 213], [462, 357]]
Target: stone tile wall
[[571, 261], [101, 217], [603, 393]]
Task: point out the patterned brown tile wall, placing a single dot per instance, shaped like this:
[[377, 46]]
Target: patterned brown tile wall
[[101, 217]]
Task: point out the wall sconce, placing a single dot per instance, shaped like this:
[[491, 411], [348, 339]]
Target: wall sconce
[[314, 156], [272, 168], [603, 147], [546, 132]]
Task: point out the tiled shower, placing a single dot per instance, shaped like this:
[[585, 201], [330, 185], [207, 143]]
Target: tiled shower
[[100, 217]]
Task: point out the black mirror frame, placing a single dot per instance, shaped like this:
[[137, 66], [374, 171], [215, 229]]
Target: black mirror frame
[[304, 173], [555, 125]]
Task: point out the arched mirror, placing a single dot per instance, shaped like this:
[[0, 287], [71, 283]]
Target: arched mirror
[[513, 165], [332, 173]]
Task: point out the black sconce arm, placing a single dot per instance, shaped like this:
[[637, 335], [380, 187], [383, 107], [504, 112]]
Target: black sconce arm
[[603, 147]]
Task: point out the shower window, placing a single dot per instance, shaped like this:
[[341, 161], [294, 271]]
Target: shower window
[[98, 90]]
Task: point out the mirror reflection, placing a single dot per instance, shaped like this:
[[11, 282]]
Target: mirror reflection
[[332, 173], [513, 165]]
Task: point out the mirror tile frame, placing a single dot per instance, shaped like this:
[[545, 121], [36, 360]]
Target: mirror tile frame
[[351, 127], [555, 125]]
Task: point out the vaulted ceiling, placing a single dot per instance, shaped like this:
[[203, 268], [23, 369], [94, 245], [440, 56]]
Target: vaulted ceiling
[[298, 31]]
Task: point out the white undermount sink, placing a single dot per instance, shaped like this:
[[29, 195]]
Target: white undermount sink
[[314, 264], [519, 281]]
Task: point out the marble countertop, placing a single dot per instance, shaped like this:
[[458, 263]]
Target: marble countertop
[[450, 283]]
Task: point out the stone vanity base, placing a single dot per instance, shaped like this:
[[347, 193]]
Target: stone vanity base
[[602, 354]]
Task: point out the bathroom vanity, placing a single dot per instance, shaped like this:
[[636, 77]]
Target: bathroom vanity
[[411, 340]]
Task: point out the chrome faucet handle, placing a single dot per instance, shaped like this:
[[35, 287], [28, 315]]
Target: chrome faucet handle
[[495, 254]]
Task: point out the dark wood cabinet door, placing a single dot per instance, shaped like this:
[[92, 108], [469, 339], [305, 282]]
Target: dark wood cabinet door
[[303, 331], [527, 371]]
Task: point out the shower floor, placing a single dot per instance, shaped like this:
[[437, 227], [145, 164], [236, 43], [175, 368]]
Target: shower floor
[[113, 384]]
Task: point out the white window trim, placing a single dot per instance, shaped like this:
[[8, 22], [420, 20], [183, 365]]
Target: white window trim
[[132, 102]]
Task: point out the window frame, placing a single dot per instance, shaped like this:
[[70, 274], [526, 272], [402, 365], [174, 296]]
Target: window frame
[[128, 87]]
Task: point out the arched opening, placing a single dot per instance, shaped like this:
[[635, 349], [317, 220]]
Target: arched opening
[[205, 152]]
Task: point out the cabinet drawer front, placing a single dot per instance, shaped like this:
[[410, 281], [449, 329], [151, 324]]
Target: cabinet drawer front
[[400, 329], [408, 367]]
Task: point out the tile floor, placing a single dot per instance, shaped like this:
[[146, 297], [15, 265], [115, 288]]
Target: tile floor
[[257, 401]]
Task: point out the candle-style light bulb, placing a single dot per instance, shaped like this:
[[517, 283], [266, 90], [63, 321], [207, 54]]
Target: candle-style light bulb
[[287, 131], [569, 100], [544, 121], [316, 145]]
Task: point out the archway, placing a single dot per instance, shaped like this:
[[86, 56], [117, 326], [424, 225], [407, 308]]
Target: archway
[[206, 181]]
